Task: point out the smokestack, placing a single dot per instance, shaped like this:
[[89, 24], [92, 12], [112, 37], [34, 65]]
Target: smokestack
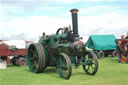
[[74, 21]]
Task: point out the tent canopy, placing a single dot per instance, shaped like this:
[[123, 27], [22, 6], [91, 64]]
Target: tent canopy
[[101, 42]]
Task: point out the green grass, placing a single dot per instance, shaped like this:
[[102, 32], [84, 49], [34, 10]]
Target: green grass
[[110, 72]]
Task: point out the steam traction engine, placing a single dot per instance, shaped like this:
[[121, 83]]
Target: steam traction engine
[[62, 50]]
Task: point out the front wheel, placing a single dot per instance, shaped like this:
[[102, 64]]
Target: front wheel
[[64, 66], [90, 63]]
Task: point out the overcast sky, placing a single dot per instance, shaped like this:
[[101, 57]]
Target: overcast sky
[[27, 19]]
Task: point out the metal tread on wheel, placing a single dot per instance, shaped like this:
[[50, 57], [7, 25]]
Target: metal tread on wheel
[[36, 58]]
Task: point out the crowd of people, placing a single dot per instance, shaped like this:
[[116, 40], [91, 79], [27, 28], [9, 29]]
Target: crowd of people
[[122, 47]]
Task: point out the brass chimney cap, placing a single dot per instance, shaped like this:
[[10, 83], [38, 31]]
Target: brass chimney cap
[[74, 10]]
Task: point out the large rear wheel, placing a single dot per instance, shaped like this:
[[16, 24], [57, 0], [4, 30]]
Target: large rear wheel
[[64, 66], [90, 63], [36, 58]]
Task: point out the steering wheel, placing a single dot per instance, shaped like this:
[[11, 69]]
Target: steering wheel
[[60, 31]]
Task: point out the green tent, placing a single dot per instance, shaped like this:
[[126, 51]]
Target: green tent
[[101, 42]]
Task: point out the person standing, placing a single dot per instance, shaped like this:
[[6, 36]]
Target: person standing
[[43, 35], [119, 50]]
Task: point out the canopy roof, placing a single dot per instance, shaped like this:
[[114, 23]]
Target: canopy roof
[[101, 42]]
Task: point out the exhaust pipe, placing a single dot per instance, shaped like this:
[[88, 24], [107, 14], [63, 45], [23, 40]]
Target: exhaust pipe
[[74, 22]]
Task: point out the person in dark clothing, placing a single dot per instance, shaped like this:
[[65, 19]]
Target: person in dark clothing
[[119, 50], [126, 36], [126, 48]]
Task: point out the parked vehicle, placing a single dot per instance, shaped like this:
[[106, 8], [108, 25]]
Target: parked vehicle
[[13, 55], [61, 50], [102, 45]]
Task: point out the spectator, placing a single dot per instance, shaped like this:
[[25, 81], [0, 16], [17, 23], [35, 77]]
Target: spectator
[[43, 34], [122, 36], [126, 48], [126, 36], [119, 50]]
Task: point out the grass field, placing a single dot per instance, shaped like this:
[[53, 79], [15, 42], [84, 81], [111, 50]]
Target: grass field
[[110, 72]]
